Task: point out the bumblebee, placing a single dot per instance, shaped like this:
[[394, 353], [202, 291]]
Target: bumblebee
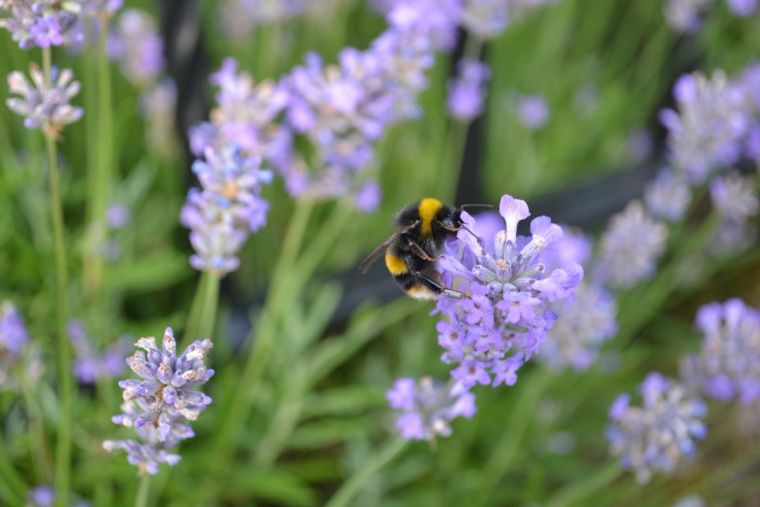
[[411, 251]]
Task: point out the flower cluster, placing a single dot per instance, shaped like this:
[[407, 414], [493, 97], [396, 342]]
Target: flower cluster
[[43, 23], [227, 209], [163, 401], [44, 106], [728, 365], [89, 367], [13, 341], [532, 111], [658, 435], [735, 201], [504, 313], [668, 196], [631, 246], [685, 15], [137, 46], [426, 408], [467, 89], [710, 128]]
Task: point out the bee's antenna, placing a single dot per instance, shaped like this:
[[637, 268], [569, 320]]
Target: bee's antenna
[[465, 206], [468, 230]]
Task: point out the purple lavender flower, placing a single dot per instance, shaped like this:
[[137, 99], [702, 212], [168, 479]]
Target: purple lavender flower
[[709, 129], [43, 23], [659, 435], [728, 365], [14, 340], [467, 89], [735, 200], [158, 105], [639, 144], [137, 46], [426, 408], [43, 107], [532, 111], [240, 17], [668, 197], [742, 8], [88, 366], [163, 401], [631, 246], [434, 21], [504, 315], [118, 216], [41, 496], [685, 15], [485, 18], [227, 210]]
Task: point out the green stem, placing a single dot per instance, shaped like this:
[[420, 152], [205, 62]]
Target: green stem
[[202, 318], [354, 484], [63, 449], [587, 487], [13, 486], [94, 261], [141, 500], [42, 461]]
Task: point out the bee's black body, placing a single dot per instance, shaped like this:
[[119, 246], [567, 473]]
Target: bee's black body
[[410, 253]]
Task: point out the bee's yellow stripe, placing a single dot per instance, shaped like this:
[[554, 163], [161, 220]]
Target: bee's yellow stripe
[[428, 209], [395, 264]]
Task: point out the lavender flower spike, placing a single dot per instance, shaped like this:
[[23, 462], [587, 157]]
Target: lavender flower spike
[[631, 246], [728, 365], [160, 404], [43, 23], [43, 107], [13, 341], [425, 408], [657, 436], [467, 90], [505, 313]]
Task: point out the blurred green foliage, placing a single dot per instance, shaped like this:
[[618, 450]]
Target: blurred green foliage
[[321, 414]]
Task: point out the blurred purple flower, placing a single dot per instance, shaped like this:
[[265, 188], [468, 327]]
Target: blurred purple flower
[[368, 197], [742, 8], [734, 198], [728, 365], [43, 23], [137, 46], [504, 315], [485, 18], [426, 408], [631, 246], [467, 90], [158, 106], [639, 144], [685, 15], [227, 210], [41, 496], [89, 367], [43, 107], [161, 403], [533, 111], [659, 435], [668, 196], [14, 339], [708, 130], [118, 216]]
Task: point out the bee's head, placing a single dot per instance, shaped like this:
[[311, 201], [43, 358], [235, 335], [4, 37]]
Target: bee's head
[[450, 218]]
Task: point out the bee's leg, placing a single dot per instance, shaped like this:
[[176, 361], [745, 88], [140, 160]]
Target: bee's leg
[[436, 287], [419, 252]]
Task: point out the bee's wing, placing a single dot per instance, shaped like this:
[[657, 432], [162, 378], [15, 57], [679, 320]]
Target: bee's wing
[[372, 257]]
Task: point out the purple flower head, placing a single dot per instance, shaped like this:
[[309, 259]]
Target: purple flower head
[[708, 130], [639, 144], [41, 496], [533, 111], [728, 365], [43, 23], [137, 46], [486, 18], [158, 105], [467, 90], [161, 403], [14, 341], [227, 210], [668, 197], [742, 8], [368, 197], [89, 367], [118, 216], [504, 314], [734, 197], [661, 433], [426, 408], [434, 20], [685, 15], [631, 246], [44, 107]]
